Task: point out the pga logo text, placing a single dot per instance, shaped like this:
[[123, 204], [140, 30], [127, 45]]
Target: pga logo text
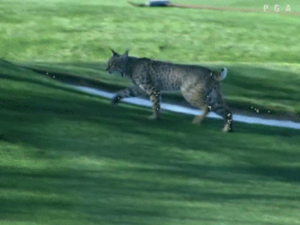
[[276, 8]]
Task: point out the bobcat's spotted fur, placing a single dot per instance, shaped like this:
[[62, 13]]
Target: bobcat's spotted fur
[[200, 86]]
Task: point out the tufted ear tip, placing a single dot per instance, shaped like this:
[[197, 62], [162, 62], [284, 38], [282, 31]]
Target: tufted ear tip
[[125, 55], [113, 52]]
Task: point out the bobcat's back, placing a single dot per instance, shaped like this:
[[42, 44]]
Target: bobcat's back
[[170, 77]]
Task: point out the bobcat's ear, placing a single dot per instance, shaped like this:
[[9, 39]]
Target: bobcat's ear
[[125, 55], [126, 52], [114, 53]]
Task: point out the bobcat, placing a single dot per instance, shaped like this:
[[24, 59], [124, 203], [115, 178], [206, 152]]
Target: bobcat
[[200, 86]]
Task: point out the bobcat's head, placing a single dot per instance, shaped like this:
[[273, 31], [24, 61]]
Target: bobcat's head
[[117, 63]]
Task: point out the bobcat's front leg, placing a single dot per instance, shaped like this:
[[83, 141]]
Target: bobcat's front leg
[[154, 94], [125, 93]]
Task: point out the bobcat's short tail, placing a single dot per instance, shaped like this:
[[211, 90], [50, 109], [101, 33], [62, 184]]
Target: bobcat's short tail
[[220, 76]]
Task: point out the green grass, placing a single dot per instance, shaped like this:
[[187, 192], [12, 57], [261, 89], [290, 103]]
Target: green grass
[[254, 4], [272, 88], [261, 50], [75, 30], [70, 158]]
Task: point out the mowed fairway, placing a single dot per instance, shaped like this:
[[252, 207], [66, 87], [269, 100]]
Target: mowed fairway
[[56, 30], [71, 158], [260, 50]]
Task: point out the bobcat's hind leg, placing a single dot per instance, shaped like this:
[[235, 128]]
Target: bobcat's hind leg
[[225, 112], [194, 91], [198, 119]]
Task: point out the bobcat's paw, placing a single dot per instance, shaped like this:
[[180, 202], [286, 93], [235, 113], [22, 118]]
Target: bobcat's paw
[[115, 100]]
